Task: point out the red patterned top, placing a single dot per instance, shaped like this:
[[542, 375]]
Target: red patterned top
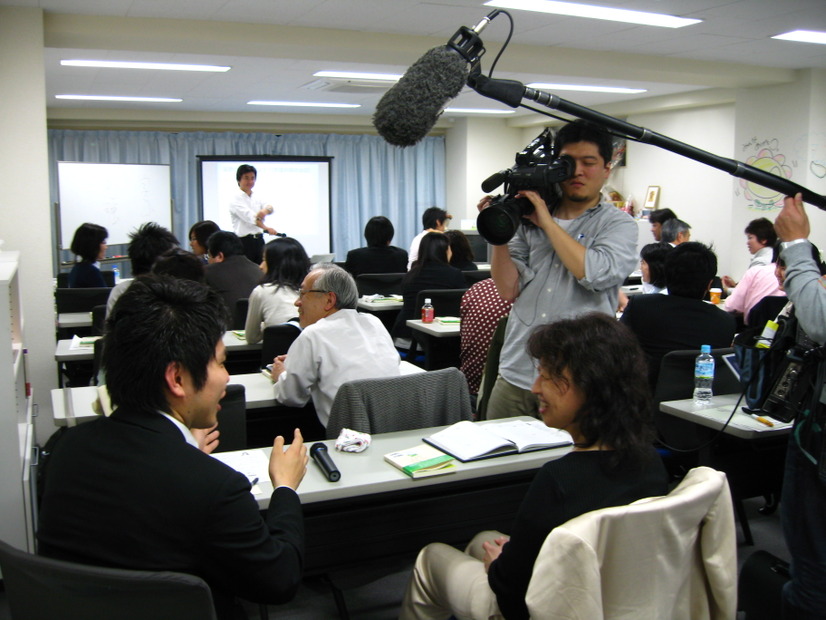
[[481, 309]]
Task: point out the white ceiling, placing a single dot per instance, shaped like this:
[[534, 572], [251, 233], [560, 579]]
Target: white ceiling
[[274, 46]]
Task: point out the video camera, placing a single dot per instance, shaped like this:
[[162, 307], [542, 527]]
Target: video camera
[[537, 168]]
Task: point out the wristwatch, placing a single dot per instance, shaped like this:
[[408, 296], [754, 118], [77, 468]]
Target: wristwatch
[[785, 245]]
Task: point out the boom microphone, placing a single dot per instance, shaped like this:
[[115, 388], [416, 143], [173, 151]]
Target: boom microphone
[[407, 112], [494, 181]]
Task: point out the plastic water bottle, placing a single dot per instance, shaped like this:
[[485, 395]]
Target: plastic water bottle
[[116, 271], [703, 376], [428, 312]]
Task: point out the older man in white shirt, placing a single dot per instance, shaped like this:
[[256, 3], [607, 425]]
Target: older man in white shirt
[[337, 344]]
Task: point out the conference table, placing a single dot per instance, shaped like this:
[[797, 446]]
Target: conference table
[[718, 416], [71, 406], [375, 512], [440, 342]]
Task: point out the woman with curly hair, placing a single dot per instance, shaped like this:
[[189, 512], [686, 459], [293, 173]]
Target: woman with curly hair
[[591, 383]]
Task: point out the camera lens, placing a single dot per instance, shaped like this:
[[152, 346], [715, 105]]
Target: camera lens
[[498, 223]]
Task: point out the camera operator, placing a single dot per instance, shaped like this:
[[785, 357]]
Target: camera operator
[[803, 503], [566, 263]]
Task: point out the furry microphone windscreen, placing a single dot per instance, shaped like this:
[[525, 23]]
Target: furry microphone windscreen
[[408, 111]]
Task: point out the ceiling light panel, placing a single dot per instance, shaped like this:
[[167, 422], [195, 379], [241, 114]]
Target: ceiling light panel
[[589, 11]]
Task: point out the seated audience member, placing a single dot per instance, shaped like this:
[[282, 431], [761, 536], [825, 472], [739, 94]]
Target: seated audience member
[[179, 263], [229, 271], [337, 344], [88, 244], [379, 256], [652, 266], [680, 320], [134, 491], [146, 244], [199, 235], [760, 241], [591, 383], [675, 232], [461, 256], [431, 270], [480, 311], [657, 218], [273, 301], [434, 219], [756, 284]]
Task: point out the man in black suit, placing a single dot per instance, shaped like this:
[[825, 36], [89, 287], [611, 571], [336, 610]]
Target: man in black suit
[[229, 272], [135, 491], [680, 320], [379, 256]]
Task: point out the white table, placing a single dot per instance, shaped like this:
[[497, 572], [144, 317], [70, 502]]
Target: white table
[[715, 416], [64, 352], [73, 320], [72, 406], [379, 306], [435, 329]]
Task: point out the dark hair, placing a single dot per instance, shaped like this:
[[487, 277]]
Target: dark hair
[[660, 216], [608, 367], [146, 244], [179, 263], [671, 228], [157, 321], [86, 241], [243, 169], [432, 216], [202, 231], [654, 255], [224, 242], [459, 247], [432, 249], [763, 229], [378, 232], [583, 131], [287, 263], [689, 268]]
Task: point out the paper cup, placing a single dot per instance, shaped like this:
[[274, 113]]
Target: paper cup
[[715, 294]]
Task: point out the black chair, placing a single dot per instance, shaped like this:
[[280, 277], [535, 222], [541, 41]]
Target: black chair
[[232, 419], [40, 588], [80, 299], [98, 319], [239, 313], [446, 301], [277, 340], [491, 370], [63, 278], [754, 468], [472, 277], [379, 283]]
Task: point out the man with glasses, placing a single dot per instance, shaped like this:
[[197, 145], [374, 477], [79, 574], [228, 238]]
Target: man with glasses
[[337, 344]]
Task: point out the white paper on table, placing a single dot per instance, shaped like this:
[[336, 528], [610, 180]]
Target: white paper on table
[[251, 463]]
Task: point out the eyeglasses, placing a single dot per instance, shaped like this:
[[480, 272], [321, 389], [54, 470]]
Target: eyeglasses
[[312, 290]]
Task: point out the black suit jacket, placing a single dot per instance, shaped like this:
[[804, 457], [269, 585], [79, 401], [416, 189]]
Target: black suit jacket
[[665, 323], [128, 491], [388, 259], [234, 278]]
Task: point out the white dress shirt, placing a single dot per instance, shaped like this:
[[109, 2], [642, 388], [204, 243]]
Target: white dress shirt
[[244, 210], [345, 346]]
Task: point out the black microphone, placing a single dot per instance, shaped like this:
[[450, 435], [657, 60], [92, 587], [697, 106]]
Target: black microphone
[[407, 112], [282, 235], [319, 453], [494, 181]]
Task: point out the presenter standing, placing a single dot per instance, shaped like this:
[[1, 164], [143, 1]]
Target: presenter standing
[[248, 213]]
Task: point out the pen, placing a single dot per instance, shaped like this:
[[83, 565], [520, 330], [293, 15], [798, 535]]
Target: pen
[[761, 419], [253, 482]]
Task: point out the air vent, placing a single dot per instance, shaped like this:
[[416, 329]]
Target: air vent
[[353, 87]]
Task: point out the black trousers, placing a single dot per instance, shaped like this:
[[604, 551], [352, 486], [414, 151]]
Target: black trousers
[[254, 247]]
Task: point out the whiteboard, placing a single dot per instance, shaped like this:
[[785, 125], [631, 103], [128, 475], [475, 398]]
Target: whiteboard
[[119, 197]]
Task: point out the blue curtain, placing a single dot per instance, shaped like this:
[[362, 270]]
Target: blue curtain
[[369, 177]]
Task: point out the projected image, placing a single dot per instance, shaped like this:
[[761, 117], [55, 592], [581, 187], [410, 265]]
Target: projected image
[[297, 188]]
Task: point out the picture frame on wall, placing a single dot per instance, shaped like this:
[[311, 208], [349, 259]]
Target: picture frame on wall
[[652, 196]]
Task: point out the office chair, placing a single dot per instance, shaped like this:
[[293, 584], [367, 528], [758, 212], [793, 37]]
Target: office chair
[[277, 340], [401, 403], [80, 299], [40, 588], [669, 557], [98, 319], [379, 283], [446, 301], [472, 277], [232, 419], [239, 313], [491, 370]]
